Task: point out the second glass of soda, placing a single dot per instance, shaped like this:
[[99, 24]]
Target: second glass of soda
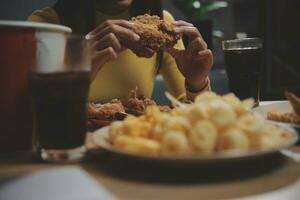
[[243, 59]]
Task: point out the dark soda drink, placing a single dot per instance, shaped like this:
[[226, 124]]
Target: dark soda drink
[[243, 68], [59, 107]]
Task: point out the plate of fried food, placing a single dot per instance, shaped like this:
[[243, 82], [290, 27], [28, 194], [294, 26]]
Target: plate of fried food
[[100, 115], [285, 112], [213, 128]]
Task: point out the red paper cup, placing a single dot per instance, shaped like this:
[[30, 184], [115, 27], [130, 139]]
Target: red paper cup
[[22, 44]]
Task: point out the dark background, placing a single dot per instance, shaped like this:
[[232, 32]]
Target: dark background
[[275, 21]]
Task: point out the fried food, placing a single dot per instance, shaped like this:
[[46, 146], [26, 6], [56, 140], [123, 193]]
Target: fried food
[[213, 123], [240, 107], [137, 145], [133, 104], [136, 105], [154, 34], [204, 136], [100, 115], [164, 108], [174, 143], [234, 138], [284, 117], [288, 117], [105, 111], [294, 101], [221, 113]]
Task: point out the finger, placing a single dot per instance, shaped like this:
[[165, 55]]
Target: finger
[[110, 40], [99, 58], [198, 44], [205, 56], [191, 31], [176, 53], [107, 23], [204, 53], [105, 55], [119, 31], [182, 23]]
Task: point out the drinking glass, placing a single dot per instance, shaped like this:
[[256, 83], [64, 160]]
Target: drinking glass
[[59, 84], [243, 59]]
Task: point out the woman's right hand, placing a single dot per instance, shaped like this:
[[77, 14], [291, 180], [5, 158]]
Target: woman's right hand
[[105, 42]]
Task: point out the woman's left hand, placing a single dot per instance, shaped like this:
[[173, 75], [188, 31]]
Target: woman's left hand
[[196, 60]]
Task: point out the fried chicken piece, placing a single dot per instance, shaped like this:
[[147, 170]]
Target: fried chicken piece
[[91, 110], [105, 111], [164, 108], [155, 34], [134, 105], [289, 117], [149, 102], [294, 101], [284, 117]]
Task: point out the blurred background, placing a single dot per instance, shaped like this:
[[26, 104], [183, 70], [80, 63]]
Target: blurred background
[[275, 21]]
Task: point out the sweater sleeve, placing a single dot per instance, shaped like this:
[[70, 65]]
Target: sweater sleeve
[[173, 78]]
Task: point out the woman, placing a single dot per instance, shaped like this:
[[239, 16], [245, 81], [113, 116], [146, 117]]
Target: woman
[[116, 70]]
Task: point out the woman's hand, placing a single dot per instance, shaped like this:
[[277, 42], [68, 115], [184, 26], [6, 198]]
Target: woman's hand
[[196, 60], [105, 42]]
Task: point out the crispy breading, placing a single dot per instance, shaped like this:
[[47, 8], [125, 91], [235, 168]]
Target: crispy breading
[[284, 117], [164, 108], [114, 110], [289, 117], [105, 111], [294, 101], [155, 34], [137, 105], [134, 106], [149, 102]]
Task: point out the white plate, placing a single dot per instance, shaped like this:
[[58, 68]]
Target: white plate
[[280, 106], [100, 138]]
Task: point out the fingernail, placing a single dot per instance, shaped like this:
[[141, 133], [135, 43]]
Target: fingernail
[[88, 36], [136, 37]]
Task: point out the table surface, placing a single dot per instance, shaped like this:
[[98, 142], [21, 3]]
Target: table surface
[[137, 180]]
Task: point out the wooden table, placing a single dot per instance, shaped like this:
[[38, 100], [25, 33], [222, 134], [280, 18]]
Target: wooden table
[[123, 181], [132, 180]]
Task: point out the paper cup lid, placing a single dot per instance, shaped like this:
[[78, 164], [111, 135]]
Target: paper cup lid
[[35, 25]]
